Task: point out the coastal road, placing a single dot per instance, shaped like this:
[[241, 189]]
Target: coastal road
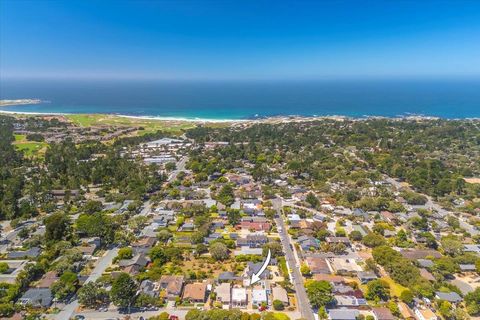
[[297, 279], [103, 263]]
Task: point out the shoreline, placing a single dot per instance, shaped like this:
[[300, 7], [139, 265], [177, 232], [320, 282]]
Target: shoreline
[[265, 119]]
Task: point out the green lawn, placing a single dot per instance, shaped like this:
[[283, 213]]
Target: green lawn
[[281, 316], [31, 148], [20, 137]]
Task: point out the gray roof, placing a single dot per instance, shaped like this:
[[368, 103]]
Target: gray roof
[[38, 297], [30, 253], [448, 296], [343, 314], [426, 263]]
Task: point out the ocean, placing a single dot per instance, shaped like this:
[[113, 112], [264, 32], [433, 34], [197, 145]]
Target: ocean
[[248, 99]]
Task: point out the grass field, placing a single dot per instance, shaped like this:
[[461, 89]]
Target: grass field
[[87, 120], [29, 148]]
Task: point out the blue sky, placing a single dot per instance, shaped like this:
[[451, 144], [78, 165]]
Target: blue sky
[[239, 39]]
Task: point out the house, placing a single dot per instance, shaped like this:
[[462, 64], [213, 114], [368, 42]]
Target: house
[[349, 301], [451, 297], [87, 250], [228, 276], [424, 273], [172, 285], [363, 230], [382, 313], [256, 226], [405, 311], [293, 217], [139, 260], [415, 254], [343, 314], [223, 292], [30, 253], [344, 265], [307, 243], [195, 292], [37, 297], [248, 251], [319, 217], [239, 297], [259, 297], [335, 240], [256, 240], [467, 267], [150, 288], [475, 248], [187, 226], [318, 265], [425, 314], [366, 276], [255, 268], [279, 293], [345, 290], [144, 245], [425, 263]]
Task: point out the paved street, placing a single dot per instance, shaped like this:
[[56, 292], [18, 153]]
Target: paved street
[[180, 167], [10, 236], [296, 277], [102, 264]]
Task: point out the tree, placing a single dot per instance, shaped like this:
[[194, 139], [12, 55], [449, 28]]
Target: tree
[[356, 235], [305, 270], [322, 313], [92, 206], [373, 240], [319, 293], [312, 200], [170, 166], [65, 286], [123, 291], [472, 301], [164, 235], [378, 290], [407, 296], [162, 316], [4, 267], [451, 245], [275, 248], [124, 253], [370, 265], [278, 305], [219, 251], [56, 226], [92, 295], [226, 195], [445, 309], [233, 216]]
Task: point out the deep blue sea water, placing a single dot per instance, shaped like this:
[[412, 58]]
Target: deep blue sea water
[[244, 100]]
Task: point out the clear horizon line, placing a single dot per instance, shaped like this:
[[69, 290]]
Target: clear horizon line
[[242, 79]]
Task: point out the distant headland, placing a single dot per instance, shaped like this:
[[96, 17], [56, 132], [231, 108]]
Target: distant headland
[[6, 102]]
